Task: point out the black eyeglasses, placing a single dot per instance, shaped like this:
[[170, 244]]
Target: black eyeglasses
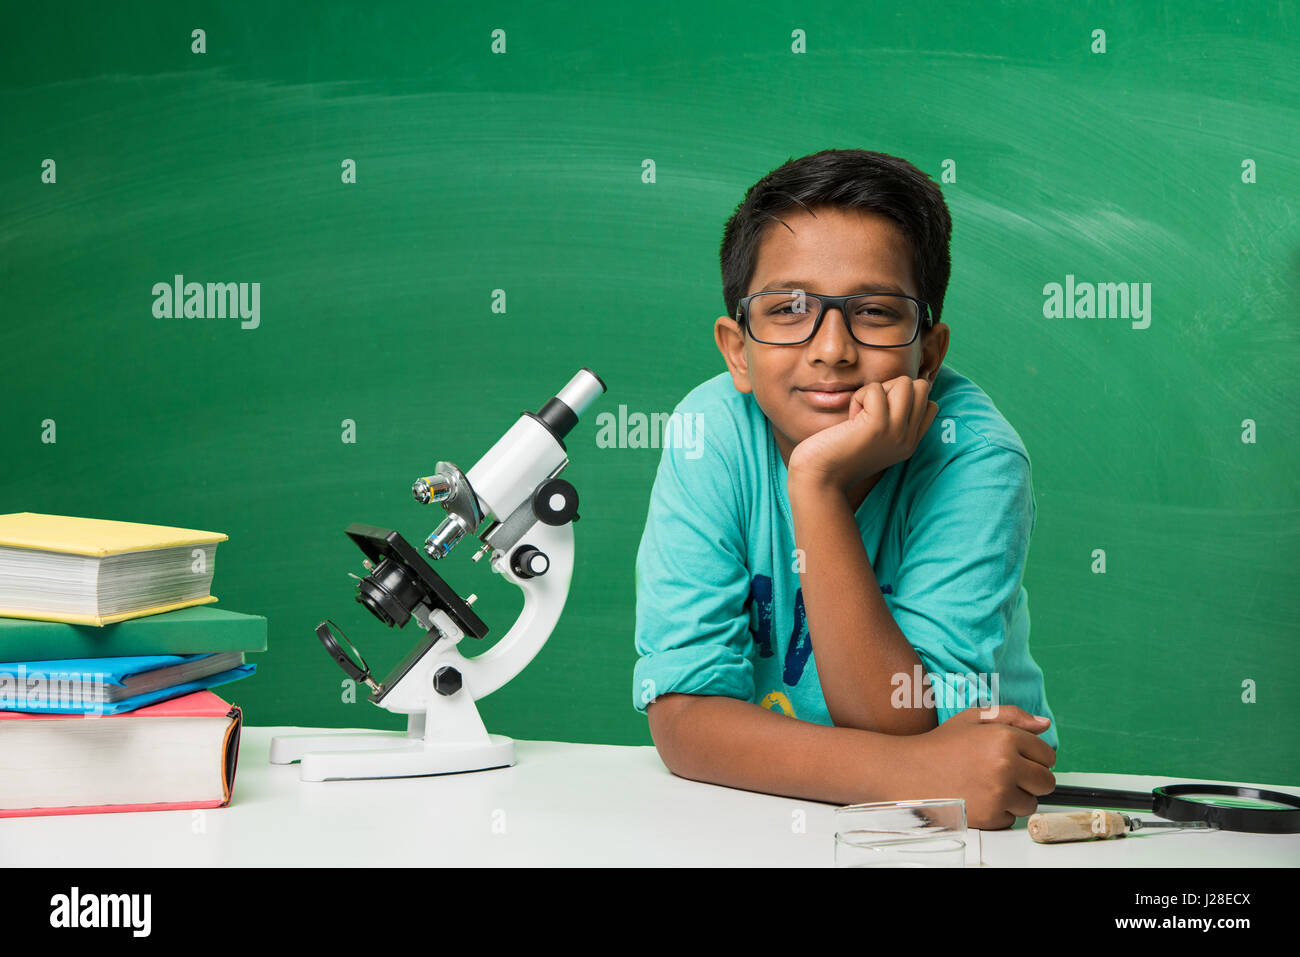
[[792, 317]]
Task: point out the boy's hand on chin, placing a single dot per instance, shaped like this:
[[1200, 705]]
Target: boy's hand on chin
[[885, 424]]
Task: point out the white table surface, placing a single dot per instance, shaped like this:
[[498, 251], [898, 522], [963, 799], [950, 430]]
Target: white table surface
[[559, 805]]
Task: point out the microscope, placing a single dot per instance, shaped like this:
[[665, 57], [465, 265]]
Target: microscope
[[523, 513]]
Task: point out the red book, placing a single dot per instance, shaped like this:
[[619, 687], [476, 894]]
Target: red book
[[177, 754]]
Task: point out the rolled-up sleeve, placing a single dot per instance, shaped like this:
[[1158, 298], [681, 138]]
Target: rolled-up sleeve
[[692, 627], [957, 593]]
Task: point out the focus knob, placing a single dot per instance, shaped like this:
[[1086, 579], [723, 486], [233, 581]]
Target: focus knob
[[529, 561], [555, 502]]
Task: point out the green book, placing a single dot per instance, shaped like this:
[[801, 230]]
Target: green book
[[201, 629]]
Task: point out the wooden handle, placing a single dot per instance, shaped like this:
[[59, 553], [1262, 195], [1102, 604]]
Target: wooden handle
[[1057, 828]]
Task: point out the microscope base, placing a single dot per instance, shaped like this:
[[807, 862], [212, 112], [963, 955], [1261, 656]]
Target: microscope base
[[390, 754]]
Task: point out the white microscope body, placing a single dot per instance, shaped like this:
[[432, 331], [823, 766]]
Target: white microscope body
[[526, 514]]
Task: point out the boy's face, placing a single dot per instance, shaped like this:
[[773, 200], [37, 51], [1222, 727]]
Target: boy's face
[[835, 252]]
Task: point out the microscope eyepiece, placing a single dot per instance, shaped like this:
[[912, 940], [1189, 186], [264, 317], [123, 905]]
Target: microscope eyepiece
[[582, 390], [560, 413]]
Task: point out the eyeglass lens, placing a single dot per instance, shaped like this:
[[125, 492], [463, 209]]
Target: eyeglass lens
[[880, 319]]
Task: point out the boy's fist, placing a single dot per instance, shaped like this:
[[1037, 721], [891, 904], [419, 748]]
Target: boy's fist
[[998, 765], [885, 424]]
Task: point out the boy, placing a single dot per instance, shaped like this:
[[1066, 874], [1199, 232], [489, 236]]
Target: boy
[[829, 598]]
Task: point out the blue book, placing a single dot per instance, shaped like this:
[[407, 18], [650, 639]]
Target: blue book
[[113, 685]]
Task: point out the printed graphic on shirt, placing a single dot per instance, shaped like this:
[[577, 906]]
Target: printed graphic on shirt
[[800, 645], [775, 699], [760, 596]]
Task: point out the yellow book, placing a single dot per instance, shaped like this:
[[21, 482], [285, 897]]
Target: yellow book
[[94, 571]]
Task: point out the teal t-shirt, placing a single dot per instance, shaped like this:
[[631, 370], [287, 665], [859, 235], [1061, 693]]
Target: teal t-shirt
[[719, 607]]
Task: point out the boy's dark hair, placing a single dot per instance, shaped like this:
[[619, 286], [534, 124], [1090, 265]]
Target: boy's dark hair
[[847, 179]]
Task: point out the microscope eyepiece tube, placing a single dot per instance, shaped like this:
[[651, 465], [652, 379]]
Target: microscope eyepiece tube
[[582, 390], [560, 414], [533, 449]]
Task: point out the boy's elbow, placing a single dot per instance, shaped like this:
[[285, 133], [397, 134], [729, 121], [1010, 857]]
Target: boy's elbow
[[665, 713]]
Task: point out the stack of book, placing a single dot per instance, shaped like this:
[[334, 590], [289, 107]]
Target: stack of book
[[107, 654]]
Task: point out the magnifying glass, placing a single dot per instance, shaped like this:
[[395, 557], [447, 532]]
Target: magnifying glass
[[350, 660], [1227, 807]]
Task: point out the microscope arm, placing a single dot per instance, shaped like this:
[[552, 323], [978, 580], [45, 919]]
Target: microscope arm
[[544, 599]]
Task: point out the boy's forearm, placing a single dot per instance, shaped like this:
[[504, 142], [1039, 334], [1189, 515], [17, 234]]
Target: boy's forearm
[[856, 642], [721, 740]]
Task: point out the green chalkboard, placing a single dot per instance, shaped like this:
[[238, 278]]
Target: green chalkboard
[[447, 211]]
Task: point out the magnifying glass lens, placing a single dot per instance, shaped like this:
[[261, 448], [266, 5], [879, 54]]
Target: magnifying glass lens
[[1225, 800], [350, 660]]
